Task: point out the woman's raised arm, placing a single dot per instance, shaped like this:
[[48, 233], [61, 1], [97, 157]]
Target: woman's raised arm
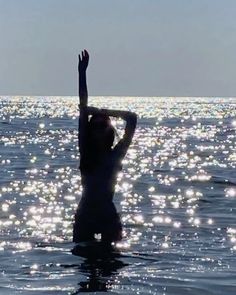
[[83, 98], [82, 67]]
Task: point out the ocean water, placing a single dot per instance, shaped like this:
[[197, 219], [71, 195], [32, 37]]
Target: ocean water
[[176, 196]]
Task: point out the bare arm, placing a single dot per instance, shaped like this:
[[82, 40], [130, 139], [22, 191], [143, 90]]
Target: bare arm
[[82, 67], [83, 97], [125, 115], [131, 121], [123, 145]]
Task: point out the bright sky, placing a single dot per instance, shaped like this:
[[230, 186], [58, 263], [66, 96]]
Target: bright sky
[[137, 47]]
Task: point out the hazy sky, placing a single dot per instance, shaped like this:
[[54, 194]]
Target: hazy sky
[[137, 47]]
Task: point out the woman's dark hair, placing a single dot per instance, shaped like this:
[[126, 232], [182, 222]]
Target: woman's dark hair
[[99, 123], [102, 122]]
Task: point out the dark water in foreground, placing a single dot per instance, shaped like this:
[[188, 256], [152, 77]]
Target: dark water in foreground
[[176, 196]]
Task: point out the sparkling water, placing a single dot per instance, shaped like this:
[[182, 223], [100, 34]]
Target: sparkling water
[[176, 196]]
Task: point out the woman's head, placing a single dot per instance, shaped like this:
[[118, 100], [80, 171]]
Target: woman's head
[[101, 132], [100, 138]]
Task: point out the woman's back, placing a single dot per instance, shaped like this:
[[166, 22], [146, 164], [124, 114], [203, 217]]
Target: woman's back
[[99, 182]]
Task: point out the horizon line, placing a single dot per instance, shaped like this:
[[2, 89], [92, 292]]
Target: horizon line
[[131, 96]]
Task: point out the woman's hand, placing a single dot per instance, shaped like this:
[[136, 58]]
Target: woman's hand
[[83, 61]]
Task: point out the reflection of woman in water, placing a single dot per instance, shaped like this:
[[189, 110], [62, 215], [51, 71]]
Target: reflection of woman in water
[[99, 165]]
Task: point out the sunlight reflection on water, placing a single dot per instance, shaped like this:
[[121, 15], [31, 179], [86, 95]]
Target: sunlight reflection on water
[[176, 196]]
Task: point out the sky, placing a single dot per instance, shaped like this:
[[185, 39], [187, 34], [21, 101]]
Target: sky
[[137, 47]]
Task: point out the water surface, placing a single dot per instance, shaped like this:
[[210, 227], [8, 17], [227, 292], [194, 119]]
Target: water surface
[[176, 196]]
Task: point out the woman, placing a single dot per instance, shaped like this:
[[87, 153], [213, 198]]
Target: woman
[[99, 165]]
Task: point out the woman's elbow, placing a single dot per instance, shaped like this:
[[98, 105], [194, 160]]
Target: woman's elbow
[[132, 119]]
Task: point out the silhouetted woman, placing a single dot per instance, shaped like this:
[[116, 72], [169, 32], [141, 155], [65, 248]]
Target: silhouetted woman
[[99, 165]]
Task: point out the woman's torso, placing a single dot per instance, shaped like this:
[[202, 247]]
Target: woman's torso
[[99, 183]]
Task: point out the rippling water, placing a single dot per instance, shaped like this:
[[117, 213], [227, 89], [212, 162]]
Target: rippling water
[[176, 195]]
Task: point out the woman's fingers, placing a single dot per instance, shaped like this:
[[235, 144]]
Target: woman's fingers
[[83, 59], [86, 53]]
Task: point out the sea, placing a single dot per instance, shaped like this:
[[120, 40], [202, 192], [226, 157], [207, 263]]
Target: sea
[[176, 196]]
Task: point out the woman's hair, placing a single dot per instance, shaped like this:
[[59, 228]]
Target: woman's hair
[[97, 123], [101, 123]]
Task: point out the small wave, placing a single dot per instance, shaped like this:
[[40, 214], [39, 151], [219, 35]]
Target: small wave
[[221, 180]]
